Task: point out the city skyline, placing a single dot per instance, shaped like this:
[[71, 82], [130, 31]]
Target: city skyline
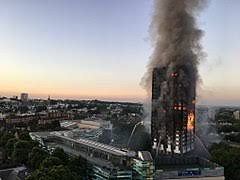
[[97, 50]]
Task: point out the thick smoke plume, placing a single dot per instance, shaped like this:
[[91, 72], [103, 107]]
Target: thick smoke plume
[[175, 38]]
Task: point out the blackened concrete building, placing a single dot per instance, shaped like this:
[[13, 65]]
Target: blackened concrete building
[[173, 111]]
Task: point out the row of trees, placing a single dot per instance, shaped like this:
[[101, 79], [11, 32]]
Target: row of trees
[[233, 137], [229, 128], [57, 166], [15, 147], [229, 158], [20, 149]]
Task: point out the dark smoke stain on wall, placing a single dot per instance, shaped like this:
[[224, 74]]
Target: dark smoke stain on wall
[[175, 37]]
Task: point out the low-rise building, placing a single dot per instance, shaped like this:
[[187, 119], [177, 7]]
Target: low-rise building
[[105, 162], [18, 173], [38, 118], [188, 168], [102, 173], [108, 162], [143, 166]]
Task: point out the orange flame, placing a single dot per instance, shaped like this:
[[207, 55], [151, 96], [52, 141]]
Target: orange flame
[[190, 121]]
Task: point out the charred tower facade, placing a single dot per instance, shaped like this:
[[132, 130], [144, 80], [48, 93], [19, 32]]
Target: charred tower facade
[[173, 110]]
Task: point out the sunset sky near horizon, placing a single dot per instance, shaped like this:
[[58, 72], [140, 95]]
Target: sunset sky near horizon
[[92, 49]]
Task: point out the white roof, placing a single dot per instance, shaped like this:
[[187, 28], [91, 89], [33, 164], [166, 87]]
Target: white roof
[[97, 145]]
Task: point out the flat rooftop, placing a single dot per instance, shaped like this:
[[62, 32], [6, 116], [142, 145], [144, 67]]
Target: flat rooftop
[[41, 134], [96, 145], [74, 152]]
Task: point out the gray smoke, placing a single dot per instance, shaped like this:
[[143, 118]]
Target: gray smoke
[[175, 37], [206, 127]]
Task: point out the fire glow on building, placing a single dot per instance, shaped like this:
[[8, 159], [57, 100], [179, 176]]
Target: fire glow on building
[[172, 74], [173, 110]]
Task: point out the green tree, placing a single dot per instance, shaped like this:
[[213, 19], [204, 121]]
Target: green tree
[[21, 150], [5, 137], [39, 174], [227, 157], [78, 166], [36, 156], [10, 146], [24, 136], [54, 173], [59, 153], [50, 162], [61, 173]]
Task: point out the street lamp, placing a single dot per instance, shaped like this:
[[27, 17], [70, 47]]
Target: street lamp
[[130, 138]]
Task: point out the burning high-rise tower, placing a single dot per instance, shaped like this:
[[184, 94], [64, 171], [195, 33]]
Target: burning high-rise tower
[[172, 74], [173, 110]]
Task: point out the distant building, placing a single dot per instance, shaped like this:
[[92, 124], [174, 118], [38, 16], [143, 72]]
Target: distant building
[[49, 117], [94, 124], [41, 118], [69, 124], [24, 97], [97, 130], [236, 115], [2, 116], [20, 118], [211, 113], [14, 98]]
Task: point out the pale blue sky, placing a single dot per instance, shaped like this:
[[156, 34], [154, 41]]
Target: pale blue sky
[[100, 48]]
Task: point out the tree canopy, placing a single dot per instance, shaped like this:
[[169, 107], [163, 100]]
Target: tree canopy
[[229, 158]]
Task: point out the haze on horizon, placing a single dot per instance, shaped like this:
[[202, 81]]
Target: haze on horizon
[[99, 50]]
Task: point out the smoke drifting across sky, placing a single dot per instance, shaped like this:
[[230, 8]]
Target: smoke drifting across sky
[[175, 37]]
